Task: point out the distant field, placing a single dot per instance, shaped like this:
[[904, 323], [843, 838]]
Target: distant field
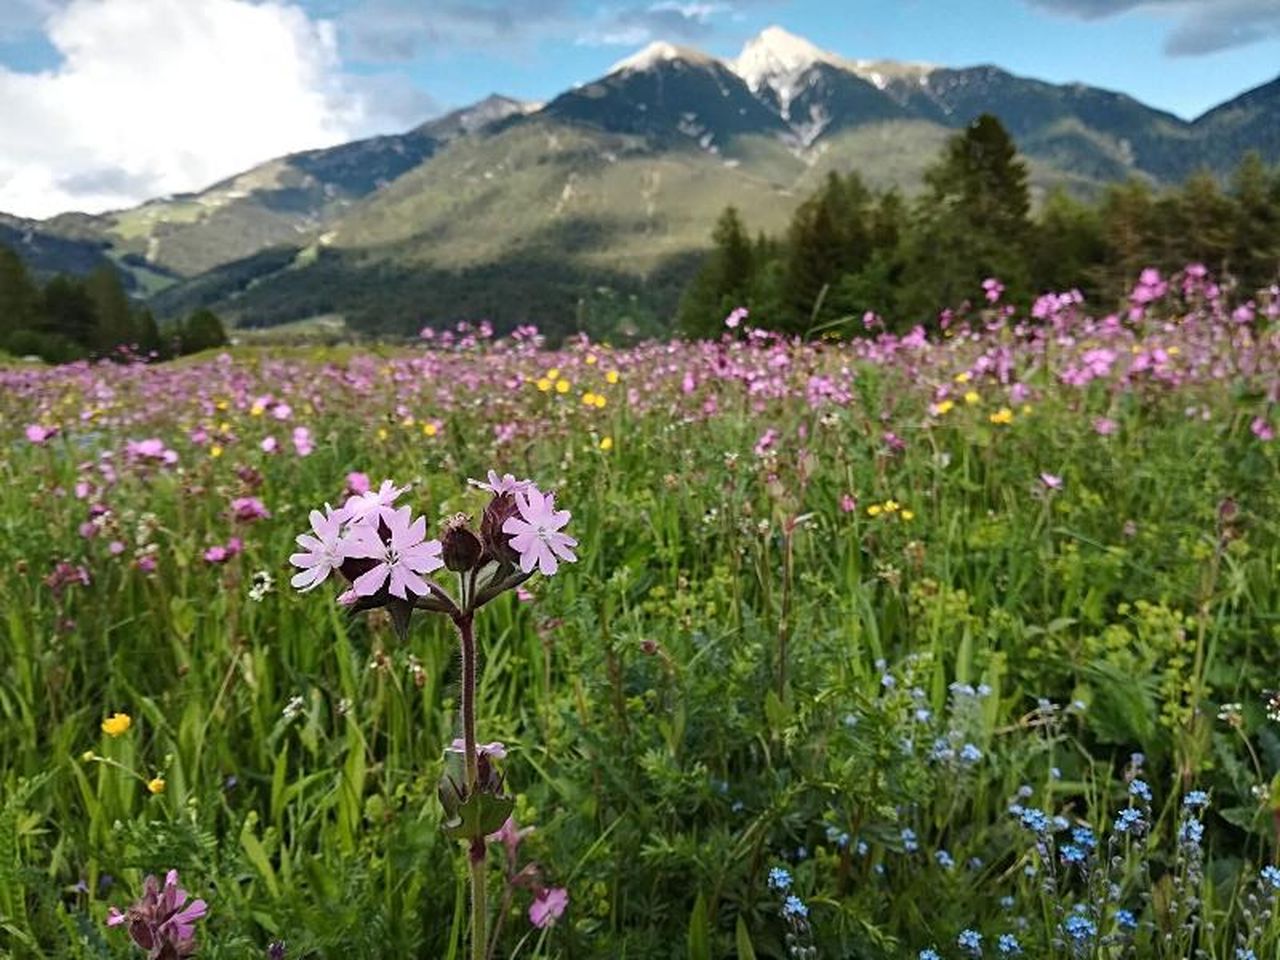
[[872, 647]]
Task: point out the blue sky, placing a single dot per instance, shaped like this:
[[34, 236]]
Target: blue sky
[[1184, 57], [109, 102]]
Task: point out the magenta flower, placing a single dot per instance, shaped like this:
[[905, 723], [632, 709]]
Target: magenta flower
[[507, 483], [535, 534], [1051, 481], [548, 906], [401, 558], [249, 509], [1105, 426], [161, 922], [39, 435], [323, 553], [269, 444], [735, 318], [1262, 429], [357, 483]]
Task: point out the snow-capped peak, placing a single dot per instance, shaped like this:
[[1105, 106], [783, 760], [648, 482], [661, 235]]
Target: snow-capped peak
[[777, 55], [660, 52]]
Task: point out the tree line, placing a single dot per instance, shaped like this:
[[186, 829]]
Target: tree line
[[72, 318], [849, 250]]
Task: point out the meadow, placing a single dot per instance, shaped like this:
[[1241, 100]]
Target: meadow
[[947, 643]]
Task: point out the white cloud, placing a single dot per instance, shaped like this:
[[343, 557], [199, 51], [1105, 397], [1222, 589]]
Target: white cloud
[[161, 96]]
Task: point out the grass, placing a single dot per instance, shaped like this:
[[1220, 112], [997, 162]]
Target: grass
[[820, 623]]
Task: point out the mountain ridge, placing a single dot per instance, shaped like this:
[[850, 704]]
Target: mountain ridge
[[626, 172]]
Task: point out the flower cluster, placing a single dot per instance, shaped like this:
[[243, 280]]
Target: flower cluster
[[383, 552]]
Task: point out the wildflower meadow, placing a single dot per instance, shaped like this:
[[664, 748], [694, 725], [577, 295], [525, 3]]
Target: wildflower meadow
[[945, 643]]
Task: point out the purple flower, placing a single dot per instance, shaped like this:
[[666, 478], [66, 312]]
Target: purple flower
[[402, 557], [535, 534], [373, 504], [323, 553], [161, 922], [39, 435], [507, 483], [548, 906], [1262, 429]]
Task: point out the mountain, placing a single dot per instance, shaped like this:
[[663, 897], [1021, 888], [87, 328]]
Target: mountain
[[517, 210]]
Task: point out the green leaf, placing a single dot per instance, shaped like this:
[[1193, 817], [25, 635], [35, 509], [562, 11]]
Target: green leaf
[[699, 931], [775, 712], [742, 940], [478, 816]]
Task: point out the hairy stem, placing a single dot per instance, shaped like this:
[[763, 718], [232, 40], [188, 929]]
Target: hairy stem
[[477, 849]]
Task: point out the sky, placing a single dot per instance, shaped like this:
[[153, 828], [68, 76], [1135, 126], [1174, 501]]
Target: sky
[[106, 103]]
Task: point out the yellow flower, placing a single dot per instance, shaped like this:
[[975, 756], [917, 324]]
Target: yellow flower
[[890, 506], [544, 384], [429, 429], [563, 386], [589, 398], [222, 404], [382, 433], [407, 422], [600, 401], [943, 408], [1026, 409], [215, 451], [611, 376], [606, 444], [972, 397], [117, 724], [1174, 350], [908, 515], [591, 359], [874, 510], [257, 410], [1004, 415], [553, 373], [156, 785], [963, 377]]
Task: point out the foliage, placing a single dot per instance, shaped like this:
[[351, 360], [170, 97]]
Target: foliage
[[872, 612], [849, 252]]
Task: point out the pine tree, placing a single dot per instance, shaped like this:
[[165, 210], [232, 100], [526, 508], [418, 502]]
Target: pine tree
[[114, 323], [203, 330], [973, 221], [19, 296], [1255, 227], [723, 283]]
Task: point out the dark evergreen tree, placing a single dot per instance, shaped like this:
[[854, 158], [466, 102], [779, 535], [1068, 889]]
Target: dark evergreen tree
[[1255, 223], [203, 330], [723, 283], [972, 222]]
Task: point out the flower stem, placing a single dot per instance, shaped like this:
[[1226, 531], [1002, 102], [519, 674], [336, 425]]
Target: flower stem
[[477, 849]]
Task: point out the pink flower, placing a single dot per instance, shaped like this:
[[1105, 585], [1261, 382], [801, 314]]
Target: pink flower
[[848, 503], [1105, 426], [735, 318], [766, 442], [497, 485], [548, 906], [269, 445], [1051, 481], [40, 435], [249, 509], [401, 559], [535, 534], [161, 921], [323, 553], [357, 483], [373, 505], [993, 288], [1262, 429], [302, 441], [497, 750]]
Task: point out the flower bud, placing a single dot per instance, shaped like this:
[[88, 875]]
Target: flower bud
[[496, 543], [461, 548]]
